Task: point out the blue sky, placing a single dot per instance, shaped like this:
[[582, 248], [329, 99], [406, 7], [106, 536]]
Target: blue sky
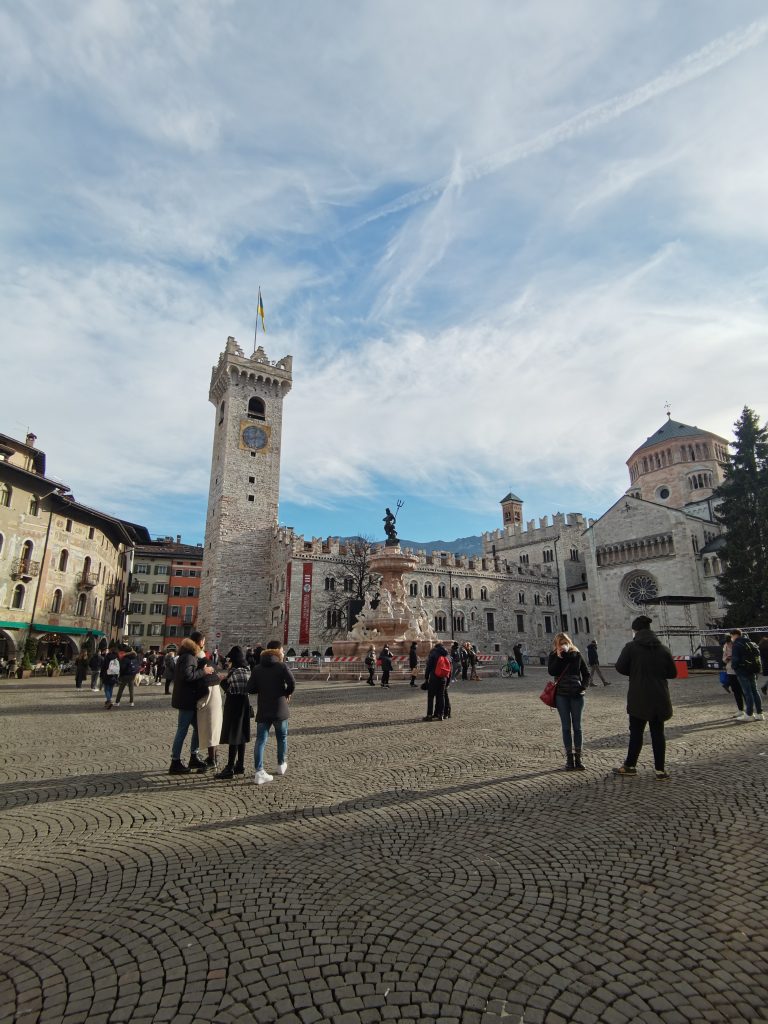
[[497, 238]]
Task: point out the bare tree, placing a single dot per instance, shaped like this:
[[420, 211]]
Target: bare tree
[[348, 582]]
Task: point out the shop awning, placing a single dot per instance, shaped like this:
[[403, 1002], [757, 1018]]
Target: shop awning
[[71, 630], [14, 625]]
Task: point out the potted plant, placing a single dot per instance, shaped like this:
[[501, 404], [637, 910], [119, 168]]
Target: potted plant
[[53, 668]]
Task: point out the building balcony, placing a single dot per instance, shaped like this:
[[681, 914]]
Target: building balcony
[[25, 570], [87, 581], [113, 590]]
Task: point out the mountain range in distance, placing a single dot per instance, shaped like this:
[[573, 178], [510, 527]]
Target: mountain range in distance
[[462, 546]]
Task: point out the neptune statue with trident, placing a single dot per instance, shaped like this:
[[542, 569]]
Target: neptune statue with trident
[[389, 526]]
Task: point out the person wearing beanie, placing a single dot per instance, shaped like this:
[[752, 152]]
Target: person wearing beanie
[[236, 721], [649, 665]]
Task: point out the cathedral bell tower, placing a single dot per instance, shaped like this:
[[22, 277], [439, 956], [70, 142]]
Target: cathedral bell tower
[[247, 393]]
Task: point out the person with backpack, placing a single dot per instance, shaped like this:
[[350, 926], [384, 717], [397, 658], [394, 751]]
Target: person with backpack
[[745, 661], [386, 665], [110, 671], [129, 669], [437, 672], [370, 664]]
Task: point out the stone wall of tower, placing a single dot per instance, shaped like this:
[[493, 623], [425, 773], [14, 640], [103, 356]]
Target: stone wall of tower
[[243, 494]]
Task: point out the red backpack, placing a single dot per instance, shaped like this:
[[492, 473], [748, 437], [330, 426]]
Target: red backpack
[[443, 667]]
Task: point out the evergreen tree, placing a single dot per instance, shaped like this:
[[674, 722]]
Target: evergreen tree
[[744, 513]]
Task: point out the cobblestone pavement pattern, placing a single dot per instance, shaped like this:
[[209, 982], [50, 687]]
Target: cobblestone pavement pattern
[[401, 870]]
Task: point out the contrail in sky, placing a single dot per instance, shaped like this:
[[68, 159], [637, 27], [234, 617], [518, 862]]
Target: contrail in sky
[[695, 65]]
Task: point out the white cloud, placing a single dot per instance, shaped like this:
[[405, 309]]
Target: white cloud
[[596, 249]]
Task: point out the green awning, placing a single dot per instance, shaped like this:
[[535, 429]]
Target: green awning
[[14, 625], [73, 630]]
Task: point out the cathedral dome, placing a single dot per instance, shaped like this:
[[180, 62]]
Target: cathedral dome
[[678, 465]]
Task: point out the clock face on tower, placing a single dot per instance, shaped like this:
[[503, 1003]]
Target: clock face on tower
[[254, 437]]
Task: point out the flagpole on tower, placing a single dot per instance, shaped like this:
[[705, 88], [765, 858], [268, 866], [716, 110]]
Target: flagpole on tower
[[259, 313]]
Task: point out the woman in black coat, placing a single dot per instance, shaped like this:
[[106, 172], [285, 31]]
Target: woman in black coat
[[570, 670], [649, 664], [236, 722]]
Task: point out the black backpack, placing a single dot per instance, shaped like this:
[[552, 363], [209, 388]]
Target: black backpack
[[751, 656], [129, 666]]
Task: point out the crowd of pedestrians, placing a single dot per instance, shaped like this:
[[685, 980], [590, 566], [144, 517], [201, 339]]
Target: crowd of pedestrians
[[213, 703]]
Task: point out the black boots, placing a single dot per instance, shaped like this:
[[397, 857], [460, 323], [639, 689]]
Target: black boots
[[177, 768], [197, 764], [569, 765], [579, 767]]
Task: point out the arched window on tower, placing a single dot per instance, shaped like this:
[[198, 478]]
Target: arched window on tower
[[428, 590], [256, 409], [56, 602], [330, 583], [17, 601], [63, 560], [80, 609]]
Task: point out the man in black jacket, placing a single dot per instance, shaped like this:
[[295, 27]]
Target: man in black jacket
[[649, 665], [593, 660]]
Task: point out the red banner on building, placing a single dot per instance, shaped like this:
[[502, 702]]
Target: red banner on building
[[306, 602], [287, 610]]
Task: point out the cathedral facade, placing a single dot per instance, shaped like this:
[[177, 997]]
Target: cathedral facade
[[657, 543]]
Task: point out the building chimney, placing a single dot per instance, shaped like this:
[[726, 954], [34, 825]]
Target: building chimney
[[178, 538], [30, 441]]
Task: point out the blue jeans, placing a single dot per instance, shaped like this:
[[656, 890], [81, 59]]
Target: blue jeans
[[748, 684], [187, 717], [570, 710], [262, 732], [109, 685]]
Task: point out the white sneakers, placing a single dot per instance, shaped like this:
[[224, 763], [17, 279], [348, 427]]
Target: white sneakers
[[744, 717], [758, 716], [262, 777]]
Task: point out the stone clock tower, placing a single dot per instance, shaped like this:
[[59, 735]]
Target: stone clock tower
[[247, 393]]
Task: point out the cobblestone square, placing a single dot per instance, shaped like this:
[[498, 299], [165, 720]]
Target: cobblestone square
[[401, 870]]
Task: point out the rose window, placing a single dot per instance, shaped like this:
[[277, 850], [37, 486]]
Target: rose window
[[640, 588]]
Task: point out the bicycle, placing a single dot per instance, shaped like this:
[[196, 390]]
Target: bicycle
[[508, 671]]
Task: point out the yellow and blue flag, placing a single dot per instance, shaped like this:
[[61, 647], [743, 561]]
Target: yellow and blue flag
[[260, 313]]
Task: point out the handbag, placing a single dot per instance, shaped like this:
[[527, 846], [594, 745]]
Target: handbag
[[723, 677], [548, 695]]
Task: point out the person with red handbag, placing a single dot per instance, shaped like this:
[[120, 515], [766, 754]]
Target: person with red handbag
[[571, 672]]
